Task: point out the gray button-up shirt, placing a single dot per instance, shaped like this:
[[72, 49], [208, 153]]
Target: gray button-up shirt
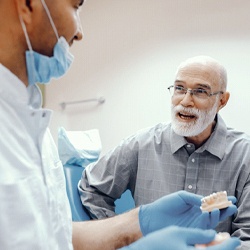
[[156, 161]]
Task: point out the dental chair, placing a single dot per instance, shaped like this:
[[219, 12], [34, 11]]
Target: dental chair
[[73, 174]]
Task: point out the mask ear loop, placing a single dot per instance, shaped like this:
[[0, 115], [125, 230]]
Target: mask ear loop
[[50, 18], [25, 33]]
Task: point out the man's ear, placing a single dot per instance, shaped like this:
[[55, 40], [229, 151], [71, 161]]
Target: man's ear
[[24, 9], [224, 99], [29, 4]]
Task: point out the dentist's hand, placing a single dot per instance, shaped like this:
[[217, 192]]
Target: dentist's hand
[[180, 209], [178, 238]]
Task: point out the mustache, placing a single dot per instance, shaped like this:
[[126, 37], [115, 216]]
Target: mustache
[[190, 111]]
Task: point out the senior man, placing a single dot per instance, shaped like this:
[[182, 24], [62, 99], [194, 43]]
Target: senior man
[[196, 152]]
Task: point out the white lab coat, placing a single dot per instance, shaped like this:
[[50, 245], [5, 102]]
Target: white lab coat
[[34, 209]]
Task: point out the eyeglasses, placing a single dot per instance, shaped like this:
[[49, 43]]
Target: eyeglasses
[[200, 92]]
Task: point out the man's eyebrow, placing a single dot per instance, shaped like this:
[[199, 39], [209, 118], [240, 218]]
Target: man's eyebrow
[[197, 85], [204, 85], [178, 81]]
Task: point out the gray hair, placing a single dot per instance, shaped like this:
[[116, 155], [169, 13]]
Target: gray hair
[[208, 62]]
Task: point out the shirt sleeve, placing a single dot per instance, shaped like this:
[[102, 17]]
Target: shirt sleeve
[[106, 180], [241, 222]]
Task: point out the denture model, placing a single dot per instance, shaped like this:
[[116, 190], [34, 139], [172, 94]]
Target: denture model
[[216, 200], [219, 238]]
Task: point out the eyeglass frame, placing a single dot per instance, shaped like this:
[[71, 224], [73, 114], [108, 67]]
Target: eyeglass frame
[[191, 91]]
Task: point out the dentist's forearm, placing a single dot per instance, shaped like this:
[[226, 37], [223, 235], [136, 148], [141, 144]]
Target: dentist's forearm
[[111, 233]]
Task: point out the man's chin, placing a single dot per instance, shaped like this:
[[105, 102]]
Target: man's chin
[[184, 131]]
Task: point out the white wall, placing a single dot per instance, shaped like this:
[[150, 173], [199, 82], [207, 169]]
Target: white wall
[[129, 55]]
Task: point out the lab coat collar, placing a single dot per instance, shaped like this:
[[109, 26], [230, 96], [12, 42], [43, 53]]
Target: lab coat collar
[[14, 92], [17, 91], [35, 96]]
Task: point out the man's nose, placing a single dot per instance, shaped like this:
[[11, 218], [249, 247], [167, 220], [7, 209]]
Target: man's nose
[[79, 34], [187, 99]]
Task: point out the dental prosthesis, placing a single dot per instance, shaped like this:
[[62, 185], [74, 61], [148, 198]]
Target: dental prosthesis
[[216, 200], [219, 238]]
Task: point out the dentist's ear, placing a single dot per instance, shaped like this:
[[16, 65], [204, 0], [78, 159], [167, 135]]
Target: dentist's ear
[[24, 9], [223, 100], [28, 4]]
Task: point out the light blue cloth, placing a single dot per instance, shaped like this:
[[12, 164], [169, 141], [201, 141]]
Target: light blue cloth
[[79, 147]]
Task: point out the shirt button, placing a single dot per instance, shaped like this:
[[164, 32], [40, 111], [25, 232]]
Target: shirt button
[[189, 146], [190, 186], [193, 160]]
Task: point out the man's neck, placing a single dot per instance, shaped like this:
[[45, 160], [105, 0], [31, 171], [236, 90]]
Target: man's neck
[[14, 61], [200, 139], [12, 42]]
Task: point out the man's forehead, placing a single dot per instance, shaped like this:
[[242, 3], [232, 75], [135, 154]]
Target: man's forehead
[[198, 73]]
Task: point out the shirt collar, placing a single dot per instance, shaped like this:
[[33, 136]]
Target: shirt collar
[[215, 144], [177, 141]]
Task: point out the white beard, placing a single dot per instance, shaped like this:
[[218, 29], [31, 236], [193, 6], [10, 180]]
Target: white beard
[[194, 128]]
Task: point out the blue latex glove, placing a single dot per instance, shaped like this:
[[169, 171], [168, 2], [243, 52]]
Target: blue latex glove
[[178, 238], [180, 209]]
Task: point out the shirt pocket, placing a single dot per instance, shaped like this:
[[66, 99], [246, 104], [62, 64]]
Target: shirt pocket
[[24, 215]]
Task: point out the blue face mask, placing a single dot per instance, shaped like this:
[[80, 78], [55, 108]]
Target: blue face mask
[[42, 68]]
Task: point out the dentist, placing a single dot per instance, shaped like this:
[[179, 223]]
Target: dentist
[[35, 36]]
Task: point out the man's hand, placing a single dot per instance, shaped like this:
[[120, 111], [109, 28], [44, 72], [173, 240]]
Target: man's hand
[[178, 238], [180, 209]]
